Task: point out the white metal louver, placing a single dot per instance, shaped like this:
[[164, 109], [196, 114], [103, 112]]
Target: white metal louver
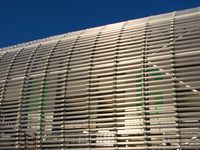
[[130, 85]]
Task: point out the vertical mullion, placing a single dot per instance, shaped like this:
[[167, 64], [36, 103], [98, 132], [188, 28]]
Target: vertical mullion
[[90, 73], [116, 61], [174, 76], [1, 96], [5, 85], [24, 87], [145, 84], [66, 80], [44, 95]]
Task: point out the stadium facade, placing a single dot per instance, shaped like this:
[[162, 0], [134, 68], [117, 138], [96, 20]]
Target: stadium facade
[[129, 85]]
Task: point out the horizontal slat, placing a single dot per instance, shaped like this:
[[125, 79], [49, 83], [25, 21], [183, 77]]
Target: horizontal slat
[[123, 86]]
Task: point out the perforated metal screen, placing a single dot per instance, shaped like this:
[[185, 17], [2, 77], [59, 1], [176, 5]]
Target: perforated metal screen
[[130, 85]]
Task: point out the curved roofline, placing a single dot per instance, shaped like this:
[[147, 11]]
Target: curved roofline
[[141, 20]]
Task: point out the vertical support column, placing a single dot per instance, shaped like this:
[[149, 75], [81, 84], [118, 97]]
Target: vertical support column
[[89, 86], [8, 72], [44, 94], [1, 96], [25, 140], [6, 81], [172, 24], [115, 80], [34, 141], [26, 75], [66, 79], [144, 84]]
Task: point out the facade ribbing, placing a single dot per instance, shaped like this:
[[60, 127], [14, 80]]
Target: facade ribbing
[[129, 85]]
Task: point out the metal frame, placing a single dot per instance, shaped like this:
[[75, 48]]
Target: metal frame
[[130, 85]]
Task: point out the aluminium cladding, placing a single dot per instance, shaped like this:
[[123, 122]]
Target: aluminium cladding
[[129, 85]]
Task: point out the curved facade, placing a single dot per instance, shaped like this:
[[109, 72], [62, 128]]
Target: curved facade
[[130, 85]]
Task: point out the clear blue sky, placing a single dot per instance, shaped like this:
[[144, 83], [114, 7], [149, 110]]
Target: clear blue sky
[[26, 20]]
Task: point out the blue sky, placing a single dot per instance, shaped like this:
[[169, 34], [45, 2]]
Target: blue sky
[[26, 20]]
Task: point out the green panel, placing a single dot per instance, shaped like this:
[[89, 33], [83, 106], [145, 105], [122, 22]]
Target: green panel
[[159, 77], [32, 101], [44, 96], [155, 74]]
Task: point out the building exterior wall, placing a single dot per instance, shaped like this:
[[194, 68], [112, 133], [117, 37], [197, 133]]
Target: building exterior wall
[[130, 85]]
